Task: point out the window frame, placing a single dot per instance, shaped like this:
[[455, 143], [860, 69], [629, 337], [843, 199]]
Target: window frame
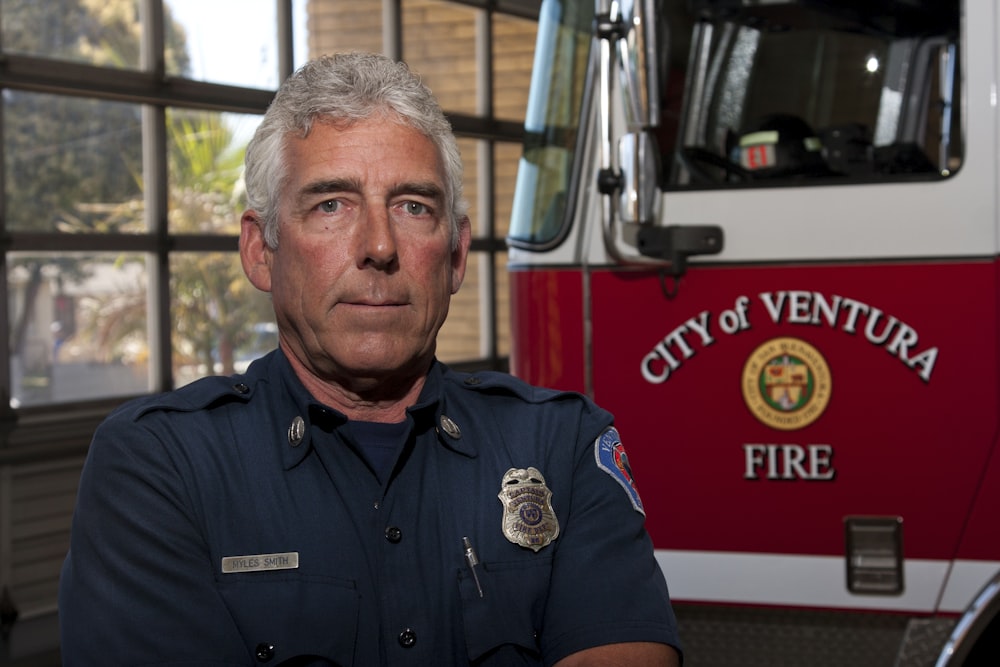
[[150, 87]]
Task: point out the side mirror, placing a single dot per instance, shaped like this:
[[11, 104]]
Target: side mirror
[[639, 161], [637, 53]]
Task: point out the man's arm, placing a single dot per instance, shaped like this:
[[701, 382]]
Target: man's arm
[[631, 654], [137, 585], [608, 602]]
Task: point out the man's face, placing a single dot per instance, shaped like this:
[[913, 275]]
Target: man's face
[[364, 270]]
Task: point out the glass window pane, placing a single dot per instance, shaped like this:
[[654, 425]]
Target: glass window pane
[[439, 43], [469, 149], [505, 159], [72, 164], [205, 157], [78, 327], [220, 321], [867, 105], [340, 27], [502, 291], [75, 30], [225, 42], [513, 57], [459, 338], [300, 31]]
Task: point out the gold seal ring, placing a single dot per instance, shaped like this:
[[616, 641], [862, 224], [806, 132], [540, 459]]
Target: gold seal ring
[[786, 383]]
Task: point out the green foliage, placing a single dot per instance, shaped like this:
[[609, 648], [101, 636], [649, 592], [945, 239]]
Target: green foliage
[[71, 163], [75, 165], [213, 304]]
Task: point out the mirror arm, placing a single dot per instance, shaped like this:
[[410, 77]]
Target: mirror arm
[[675, 243]]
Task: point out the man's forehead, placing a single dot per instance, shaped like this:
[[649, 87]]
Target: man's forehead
[[366, 132]]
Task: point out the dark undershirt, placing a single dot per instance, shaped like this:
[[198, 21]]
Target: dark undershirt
[[379, 444]]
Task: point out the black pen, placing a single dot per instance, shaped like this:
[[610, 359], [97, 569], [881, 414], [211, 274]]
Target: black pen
[[473, 560]]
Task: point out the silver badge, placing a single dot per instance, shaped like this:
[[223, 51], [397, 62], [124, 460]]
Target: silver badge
[[528, 518]]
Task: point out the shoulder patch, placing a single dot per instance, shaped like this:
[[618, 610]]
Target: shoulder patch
[[611, 458]]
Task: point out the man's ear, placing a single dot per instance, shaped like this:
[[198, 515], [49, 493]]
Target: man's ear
[[460, 254], [255, 255]]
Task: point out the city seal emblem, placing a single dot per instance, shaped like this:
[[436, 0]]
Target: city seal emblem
[[786, 383], [528, 518]]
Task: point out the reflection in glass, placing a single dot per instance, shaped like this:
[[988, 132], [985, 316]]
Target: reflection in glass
[[300, 31], [505, 162], [233, 43], [78, 327], [513, 57], [74, 30], [459, 338], [205, 157], [340, 27], [220, 321], [439, 43], [469, 150], [505, 158], [72, 164], [502, 324]]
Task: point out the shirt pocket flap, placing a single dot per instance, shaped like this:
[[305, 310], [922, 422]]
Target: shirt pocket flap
[[509, 611], [283, 617]]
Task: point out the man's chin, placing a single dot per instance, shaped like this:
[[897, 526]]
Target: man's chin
[[387, 366]]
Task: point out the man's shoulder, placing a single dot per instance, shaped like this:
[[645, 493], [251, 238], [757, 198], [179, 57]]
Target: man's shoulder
[[498, 391], [492, 383], [202, 395]]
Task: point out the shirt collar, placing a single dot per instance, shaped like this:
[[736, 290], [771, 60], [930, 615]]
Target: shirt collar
[[297, 410], [432, 404]]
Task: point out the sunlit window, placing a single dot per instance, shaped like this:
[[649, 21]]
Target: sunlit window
[[123, 148]]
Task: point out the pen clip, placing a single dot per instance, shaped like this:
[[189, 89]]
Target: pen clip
[[472, 560]]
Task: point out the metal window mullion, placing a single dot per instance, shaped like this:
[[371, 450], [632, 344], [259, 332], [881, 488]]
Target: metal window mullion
[[151, 47], [6, 413], [6, 523], [286, 39], [155, 195], [155, 175], [485, 185], [392, 29]]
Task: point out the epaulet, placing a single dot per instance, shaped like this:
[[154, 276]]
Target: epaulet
[[497, 382], [198, 395]]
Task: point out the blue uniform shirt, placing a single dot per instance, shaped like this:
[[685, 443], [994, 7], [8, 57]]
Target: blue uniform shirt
[[232, 522]]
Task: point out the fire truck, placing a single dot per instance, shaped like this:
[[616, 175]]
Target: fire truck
[[764, 233]]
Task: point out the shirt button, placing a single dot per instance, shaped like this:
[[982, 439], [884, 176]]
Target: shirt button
[[407, 638], [264, 652], [393, 534]]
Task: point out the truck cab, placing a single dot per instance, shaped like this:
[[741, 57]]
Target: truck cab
[[765, 236]]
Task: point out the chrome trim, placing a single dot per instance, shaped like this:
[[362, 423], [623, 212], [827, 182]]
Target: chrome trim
[[971, 625]]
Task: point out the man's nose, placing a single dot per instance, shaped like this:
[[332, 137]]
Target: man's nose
[[377, 247]]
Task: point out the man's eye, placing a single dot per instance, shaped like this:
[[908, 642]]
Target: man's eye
[[416, 208], [330, 206]]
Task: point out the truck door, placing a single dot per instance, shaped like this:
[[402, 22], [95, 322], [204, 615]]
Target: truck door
[[810, 409]]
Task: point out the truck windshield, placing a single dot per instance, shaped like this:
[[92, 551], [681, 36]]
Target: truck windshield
[[552, 121], [786, 92]]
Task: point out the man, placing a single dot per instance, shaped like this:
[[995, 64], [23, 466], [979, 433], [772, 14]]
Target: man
[[350, 500]]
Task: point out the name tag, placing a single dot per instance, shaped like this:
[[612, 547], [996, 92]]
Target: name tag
[[260, 562]]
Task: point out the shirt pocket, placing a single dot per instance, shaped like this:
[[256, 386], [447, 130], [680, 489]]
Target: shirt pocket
[[509, 611], [287, 617]]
